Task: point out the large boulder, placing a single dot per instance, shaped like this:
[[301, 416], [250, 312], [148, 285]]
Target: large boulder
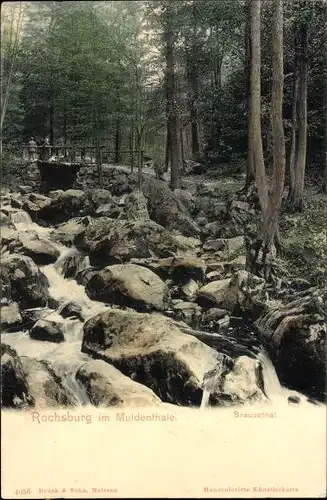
[[35, 203], [42, 251], [7, 235], [218, 294], [153, 351], [295, 333], [31, 316], [44, 329], [243, 292], [107, 386], [83, 276], [45, 385], [99, 197], [163, 205], [10, 317], [103, 204], [166, 209], [71, 310], [59, 206], [66, 232], [129, 285], [242, 384], [109, 241], [14, 386], [23, 282], [136, 206]]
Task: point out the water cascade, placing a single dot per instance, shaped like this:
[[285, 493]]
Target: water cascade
[[66, 357]]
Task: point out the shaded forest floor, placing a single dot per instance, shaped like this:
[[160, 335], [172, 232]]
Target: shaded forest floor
[[303, 235]]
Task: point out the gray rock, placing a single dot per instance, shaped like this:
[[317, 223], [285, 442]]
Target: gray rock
[[190, 290], [107, 386], [188, 312], [152, 350], [295, 334], [109, 241], [66, 232], [51, 331], [99, 197], [42, 251], [218, 294], [72, 264], [71, 310], [23, 282], [136, 206], [45, 385], [14, 386], [243, 384], [213, 315], [83, 277], [10, 317], [31, 316], [129, 285], [111, 210]]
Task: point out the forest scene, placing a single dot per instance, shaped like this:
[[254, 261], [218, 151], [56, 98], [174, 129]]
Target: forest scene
[[163, 203]]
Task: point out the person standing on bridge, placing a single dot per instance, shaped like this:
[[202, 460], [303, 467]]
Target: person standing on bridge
[[31, 148]]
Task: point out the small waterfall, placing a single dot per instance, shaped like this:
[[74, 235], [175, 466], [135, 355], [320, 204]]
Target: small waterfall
[[23, 222], [65, 357], [210, 383], [205, 399], [67, 290], [20, 217], [273, 389], [72, 256]]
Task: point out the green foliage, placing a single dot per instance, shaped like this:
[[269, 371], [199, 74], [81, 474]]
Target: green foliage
[[304, 239], [10, 167], [91, 71]]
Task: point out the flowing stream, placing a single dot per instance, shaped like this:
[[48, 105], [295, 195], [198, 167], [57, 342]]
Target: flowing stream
[[66, 357]]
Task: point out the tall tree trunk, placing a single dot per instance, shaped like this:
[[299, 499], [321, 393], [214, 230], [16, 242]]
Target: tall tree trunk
[[193, 93], [13, 49], [260, 173], [171, 101], [117, 141], [297, 195], [293, 148], [260, 261], [250, 168], [275, 200]]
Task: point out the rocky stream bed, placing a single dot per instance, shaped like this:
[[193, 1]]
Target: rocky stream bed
[[111, 297]]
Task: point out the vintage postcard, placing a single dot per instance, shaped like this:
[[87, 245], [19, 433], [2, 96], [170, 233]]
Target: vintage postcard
[[163, 248]]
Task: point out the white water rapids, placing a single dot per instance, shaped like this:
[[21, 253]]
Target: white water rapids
[[66, 357]]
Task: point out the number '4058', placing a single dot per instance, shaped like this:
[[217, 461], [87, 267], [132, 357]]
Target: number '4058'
[[24, 491]]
